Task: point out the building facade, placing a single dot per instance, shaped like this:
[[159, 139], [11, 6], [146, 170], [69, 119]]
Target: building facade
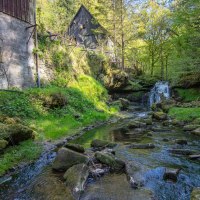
[[17, 66]]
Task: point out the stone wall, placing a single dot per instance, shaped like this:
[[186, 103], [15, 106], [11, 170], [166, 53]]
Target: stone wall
[[17, 65]]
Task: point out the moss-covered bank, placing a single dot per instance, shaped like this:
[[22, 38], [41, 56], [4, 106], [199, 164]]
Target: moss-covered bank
[[52, 112]]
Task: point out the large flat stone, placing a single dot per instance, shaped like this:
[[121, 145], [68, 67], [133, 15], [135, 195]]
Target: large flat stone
[[66, 158]]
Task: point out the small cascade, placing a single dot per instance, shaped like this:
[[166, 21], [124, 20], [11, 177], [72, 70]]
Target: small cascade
[[159, 92]]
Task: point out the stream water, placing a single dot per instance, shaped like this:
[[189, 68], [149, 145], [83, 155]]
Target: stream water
[[39, 182]]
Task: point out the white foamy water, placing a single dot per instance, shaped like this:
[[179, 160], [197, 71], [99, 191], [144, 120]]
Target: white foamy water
[[158, 92]]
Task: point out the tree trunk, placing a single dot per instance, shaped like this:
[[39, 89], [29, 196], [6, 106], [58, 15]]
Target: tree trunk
[[122, 34]]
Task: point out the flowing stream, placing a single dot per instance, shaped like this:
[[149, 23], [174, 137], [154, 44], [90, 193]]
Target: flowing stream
[[39, 182]]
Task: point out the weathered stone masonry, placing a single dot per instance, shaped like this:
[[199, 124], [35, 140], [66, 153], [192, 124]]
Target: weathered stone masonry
[[17, 61]]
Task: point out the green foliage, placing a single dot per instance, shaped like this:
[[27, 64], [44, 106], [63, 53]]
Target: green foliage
[[17, 104], [53, 110], [25, 152], [185, 114], [189, 94]]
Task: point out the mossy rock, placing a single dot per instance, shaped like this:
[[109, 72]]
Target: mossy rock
[[66, 158], [3, 144], [102, 144], [115, 164], [15, 133], [75, 147], [76, 177], [55, 100], [196, 121], [195, 194], [190, 127], [196, 132], [160, 115]]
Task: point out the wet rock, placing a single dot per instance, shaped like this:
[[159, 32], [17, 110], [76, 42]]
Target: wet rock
[[194, 157], [66, 158], [176, 122], [196, 132], [142, 146], [49, 187], [136, 124], [166, 123], [171, 174], [148, 121], [137, 131], [196, 121], [115, 187], [76, 177], [133, 183], [16, 133], [121, 130], [195, 194], [165, 140], [115, 164], [181, 141], [3, 144], [75, 147], [97, 170], [190, 127], [160, 115], [183, 151], [102, 144]]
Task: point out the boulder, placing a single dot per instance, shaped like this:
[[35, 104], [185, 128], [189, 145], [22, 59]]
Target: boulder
[[66, 158], [148, 121], [76, 177], [181, 141], [190, 127], [136, 124], [194, 157], [142, 146], [3, 144], [115, 164], [121, 130], [160, 115], [183, 151], [75, 147], [171, 174], [15, 133], [195, 194], [176, 122], [115, 187], [46, 186], [196, 132], [102, 144]]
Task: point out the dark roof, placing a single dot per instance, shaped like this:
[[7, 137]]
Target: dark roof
[[83, 7]]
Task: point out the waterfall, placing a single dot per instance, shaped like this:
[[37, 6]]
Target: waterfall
[[159, 92]]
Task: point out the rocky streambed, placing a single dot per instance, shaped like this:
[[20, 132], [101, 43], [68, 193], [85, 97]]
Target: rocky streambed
[[141, 157]]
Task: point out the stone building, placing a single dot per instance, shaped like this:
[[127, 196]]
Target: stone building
[[17, 62]]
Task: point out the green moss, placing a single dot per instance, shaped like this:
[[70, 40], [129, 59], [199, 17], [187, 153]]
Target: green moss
[[187, 114], [189, 94], [25, 152]]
